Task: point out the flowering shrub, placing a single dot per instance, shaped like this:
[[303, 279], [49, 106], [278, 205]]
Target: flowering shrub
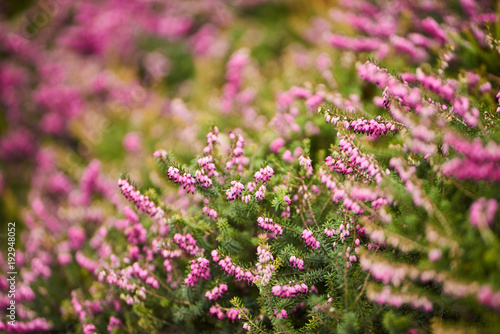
[[362, 198]]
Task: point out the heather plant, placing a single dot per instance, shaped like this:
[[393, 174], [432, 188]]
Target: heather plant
[[348, 182]]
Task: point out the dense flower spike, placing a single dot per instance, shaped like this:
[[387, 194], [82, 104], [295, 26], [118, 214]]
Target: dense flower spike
[[199, 269], [142, 202], [185, 179], [306, 163], [235, 190], [238, 160], [187, 243], [212, 140], [480, 162], [216, 292], [291, 290], [234, 70], [229, 267], [280, 314], [297, 262], [310, 240], [482, 212], [268, 224], [264, 174], [210, 212], [265, 270], [113, 323]]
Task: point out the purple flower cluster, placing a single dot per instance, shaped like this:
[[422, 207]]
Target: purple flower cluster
[[486, 296], [188, 244], [297, 262], [210, 212], [216, 292], [142, 202], [480, 162], [82, 315], [305, 162], [310, 240], [412, 184], [482, 212], [234, 69], [186, 180], [265, 269], [268, 224], [280, 314], [199, 269], [387, 297], [207, 169], [113, 323], [235, 190], [264, 174], [383, 272], [229, 267], [136, 234], [237, 157], [373, 127], [292, 290], [212, 140], [231, 313]]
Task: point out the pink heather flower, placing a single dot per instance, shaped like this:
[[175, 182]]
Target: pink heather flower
[[237, 158], [300, 92], [85, 262], [216, 292], [113, 323], [287, 200], [186, 180], [77, 237], [142, 202], [287, 156], [212, 140], [199, 269], [136, 234], [433, 28], [264, 174], [265, 269], [88, 329], [435, 254], [289, 290], [259, 194], [268, 224], [210, 212], [296, 262], [229, 267], [132, 142], [235, 190], [187, 243], [276, 145], [311, 241], [482, 212], [306, 163], [246, 198], [215, 255], [232, 314], [362, 44], [162, 154], [217, 310], [251, 186], [486, 87], [314, 101], [234, 72], [130, 214], [280, 314]]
